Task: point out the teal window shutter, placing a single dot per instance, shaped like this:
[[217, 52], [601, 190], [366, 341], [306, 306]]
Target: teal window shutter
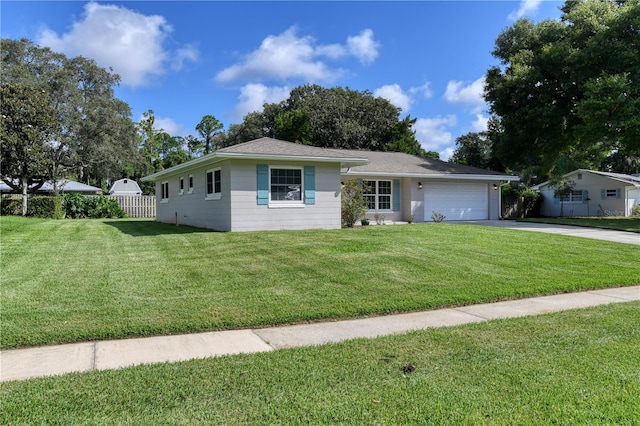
[[585, 195], [262, 171], [603, 194], [396, 195], [618, 192], [556, 200], [309, 184]]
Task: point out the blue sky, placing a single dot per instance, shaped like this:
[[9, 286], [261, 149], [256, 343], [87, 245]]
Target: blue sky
[[184, 60]]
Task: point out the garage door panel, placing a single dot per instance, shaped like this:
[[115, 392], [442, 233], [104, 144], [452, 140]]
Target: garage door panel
[[457, 201]]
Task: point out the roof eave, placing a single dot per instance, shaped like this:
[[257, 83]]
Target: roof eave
[[219, 156], [508, 178]]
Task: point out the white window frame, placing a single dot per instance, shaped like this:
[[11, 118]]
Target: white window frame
[[213, 195], [376, 194], [287, 203], [181, 185], [164, 192], [574, 197], [190, 190]]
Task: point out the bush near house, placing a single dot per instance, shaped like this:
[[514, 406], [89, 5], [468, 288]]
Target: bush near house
[[81, 207], [38, 206], [72, 206]]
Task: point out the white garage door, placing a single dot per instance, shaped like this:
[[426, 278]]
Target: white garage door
[[457, 201]]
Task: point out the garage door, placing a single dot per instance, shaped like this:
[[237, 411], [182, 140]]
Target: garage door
[[457, 201]]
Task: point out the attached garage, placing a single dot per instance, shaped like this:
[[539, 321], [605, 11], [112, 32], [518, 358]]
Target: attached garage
[[456, 200]]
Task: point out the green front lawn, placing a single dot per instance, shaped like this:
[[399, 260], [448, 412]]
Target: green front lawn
[[76, 280], [628, 224], [569, 368]]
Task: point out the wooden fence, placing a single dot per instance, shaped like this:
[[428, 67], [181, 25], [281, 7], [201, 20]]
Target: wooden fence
[[136, 205]]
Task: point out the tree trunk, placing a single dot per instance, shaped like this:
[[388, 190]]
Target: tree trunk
[[25, 187]]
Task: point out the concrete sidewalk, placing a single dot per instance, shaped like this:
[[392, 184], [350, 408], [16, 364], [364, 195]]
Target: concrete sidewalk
[[20, 364], [573, 231]]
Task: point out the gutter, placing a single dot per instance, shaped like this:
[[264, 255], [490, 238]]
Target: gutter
[[447, 176]]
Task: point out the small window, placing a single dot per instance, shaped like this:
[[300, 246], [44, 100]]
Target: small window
[[181, 186], [286, 184], [579, 176], [164, 192], [611, 193], [190, 184], [214, 184]]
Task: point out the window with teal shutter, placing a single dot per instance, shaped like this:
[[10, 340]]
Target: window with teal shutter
[[262, 172], [309, 184]]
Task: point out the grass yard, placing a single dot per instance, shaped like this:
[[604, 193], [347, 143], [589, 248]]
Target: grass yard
[[567, 368], [629, 224], [77, 280]]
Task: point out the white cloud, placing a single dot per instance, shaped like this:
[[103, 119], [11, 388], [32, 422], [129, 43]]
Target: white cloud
[[471, 94], [394, 94], [527, 7], [446, 154], [433, 133], [480, 124], [363, 46], [168, 125], [254, 96], [187, 53], [118, 38], [289, 56], [425, 89]]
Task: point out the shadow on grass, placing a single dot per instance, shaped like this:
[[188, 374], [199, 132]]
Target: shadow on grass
[[147, 228]]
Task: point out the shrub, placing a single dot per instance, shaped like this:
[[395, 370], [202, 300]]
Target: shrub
[[45, 206], [380, 218], [354, 206], [78, 207], [437, 217], [636, 211], [10, 207]]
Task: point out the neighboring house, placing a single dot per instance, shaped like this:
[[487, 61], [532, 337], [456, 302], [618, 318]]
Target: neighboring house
[[63, 186], [125, 187], [594, 194], [271, 184]]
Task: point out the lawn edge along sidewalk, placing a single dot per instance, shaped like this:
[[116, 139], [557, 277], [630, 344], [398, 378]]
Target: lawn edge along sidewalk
[[20, 364]]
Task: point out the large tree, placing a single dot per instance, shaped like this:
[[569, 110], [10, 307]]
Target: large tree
[[332, 118], [476, 149], [569, 87], [27, 125], [96, 137], [208, 128]]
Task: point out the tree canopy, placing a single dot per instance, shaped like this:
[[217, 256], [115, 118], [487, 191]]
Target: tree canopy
[[27, 125], [332, 118], [568, 89], [95, 138]]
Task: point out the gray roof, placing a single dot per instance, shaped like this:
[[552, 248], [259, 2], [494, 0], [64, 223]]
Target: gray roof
[[268, 149], [634, 180], [355, 162], [275, 147], [64, 185], [631, 180], [401, 164]]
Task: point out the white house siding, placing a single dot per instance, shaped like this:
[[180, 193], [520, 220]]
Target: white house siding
[[633, 200], [192, 208], [597, 205], [412, 200], [249, 216]]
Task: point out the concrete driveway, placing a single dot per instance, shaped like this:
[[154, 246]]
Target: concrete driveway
[[574, 231]]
